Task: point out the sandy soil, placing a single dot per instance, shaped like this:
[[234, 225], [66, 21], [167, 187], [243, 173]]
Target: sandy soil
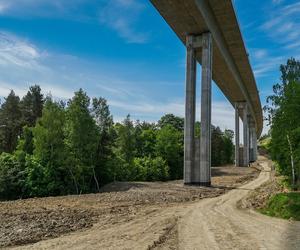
[[124, 216]]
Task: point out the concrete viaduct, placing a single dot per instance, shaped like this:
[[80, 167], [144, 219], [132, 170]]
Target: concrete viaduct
[[211, 33]]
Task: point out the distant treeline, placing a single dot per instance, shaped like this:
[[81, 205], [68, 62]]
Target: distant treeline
[[56, 148]]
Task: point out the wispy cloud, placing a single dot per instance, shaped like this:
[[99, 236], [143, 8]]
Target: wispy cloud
[[264, 62], [14, 51], [282, 28], [283, 23], [23, 64], [122, 16]]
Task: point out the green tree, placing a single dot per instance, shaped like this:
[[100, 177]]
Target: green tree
[[150, 169], [228, 147], [49, 148], [169, 146], [148, 140], [32, 105], [37, 177], [170, 119], [10, 123], [284, 109], [12, 177], [145, 136], [104, 157], [217, 146], [81, 139], [126, 140], [25, 143]]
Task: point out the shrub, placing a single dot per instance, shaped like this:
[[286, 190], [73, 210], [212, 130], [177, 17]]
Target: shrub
[[12, 177], [151, 169], [284, 205]]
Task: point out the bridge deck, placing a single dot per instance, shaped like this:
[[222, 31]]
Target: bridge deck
[[185, 17]]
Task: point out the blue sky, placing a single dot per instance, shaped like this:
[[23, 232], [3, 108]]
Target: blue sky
[[124, 51]]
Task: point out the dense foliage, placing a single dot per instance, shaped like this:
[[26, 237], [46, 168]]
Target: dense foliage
[[284, 117], [56, 148], [284, 205]]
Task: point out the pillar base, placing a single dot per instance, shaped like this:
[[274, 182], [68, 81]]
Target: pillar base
[[202, 184]]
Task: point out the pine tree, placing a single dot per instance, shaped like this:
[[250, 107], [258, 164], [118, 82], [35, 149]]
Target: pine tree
[[32, 105], [10, 123]]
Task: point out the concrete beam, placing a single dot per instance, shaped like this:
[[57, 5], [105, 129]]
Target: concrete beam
[[205, 138], [190, 109]]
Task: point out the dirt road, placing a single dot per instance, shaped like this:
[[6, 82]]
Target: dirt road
[[217, 224]]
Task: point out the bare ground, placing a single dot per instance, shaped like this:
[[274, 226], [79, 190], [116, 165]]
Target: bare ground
[[124, 216]]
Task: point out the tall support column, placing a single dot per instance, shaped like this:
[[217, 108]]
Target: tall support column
[[250, 139], [205, 138], [254, 145], [237, 135], [246, 135], [190, 103]]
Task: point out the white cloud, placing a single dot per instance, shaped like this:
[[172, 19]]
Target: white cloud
[[5, 89], [22, 64], [223, 115], [14, 51], [259, 53], [3, 7], [122, 16]]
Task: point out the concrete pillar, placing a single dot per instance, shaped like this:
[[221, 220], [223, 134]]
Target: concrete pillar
[[190, 103], [205, 138], [254, 145], [246, 135], [250, 139], [237, 135]]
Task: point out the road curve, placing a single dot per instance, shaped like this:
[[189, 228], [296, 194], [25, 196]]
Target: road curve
[[217, 223]]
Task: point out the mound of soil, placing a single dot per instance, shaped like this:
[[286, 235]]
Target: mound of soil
[[259, 197]]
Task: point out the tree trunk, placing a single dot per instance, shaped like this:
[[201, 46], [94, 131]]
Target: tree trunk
[[75, 182], [97, 183], [292, 160]]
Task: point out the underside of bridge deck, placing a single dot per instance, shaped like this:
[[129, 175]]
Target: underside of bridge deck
[[226, 61]]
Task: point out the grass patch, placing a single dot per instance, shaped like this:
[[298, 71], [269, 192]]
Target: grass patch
[[284, 205]]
